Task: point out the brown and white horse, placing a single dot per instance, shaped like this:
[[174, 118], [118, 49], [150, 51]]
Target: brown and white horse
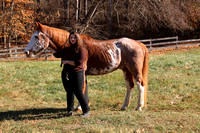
[[102, 57]]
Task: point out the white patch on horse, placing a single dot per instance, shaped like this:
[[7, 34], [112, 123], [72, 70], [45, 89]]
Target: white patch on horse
[[126, 41], [33, 41], [40, 46], [112, 65], [128, 93], [113, 62], [93, 71], [35, 45]]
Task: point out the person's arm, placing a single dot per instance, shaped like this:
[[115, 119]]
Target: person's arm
[[59, 53], [81, 59], [68, 62]]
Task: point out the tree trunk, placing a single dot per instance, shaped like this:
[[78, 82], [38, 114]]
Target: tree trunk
[[10, 26], [91, 12], [66, 13], [109, 13], [38, 6], [127, 8], [4, 38], [85, 8], [4, 25], [37, 11], [115, 8], [77, 10], [15, 36]]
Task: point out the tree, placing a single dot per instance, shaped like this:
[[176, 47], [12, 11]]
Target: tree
[[77, 10], [66, 8], [127, 8], [90, 14], [3, 23], [109, 13], [102, 19], [85, 7], [10, 25]]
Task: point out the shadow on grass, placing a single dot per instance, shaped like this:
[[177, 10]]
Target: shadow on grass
[[33, 114]]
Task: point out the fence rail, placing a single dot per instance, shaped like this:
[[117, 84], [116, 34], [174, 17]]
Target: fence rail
[[18, 52], [168, 42], [152, 44]]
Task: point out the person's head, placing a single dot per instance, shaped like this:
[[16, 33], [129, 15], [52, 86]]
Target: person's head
[[74, 41], [72, 38]]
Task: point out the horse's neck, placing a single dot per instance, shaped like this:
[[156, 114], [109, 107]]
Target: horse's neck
[[57, 37], [54, 46]]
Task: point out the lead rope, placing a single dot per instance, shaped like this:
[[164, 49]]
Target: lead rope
[[61, 63], [61, 55]]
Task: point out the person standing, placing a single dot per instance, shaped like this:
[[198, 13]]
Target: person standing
[[73, 56]]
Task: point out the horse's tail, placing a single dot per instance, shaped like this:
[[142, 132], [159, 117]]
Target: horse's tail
[[145, 71]]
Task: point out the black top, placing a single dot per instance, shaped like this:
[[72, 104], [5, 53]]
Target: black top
[[68, 53]]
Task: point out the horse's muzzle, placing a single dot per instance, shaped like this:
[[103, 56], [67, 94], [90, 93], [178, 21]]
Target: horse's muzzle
[[28, 53]]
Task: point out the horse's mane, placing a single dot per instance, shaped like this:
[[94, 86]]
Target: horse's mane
[[58, 36], [97, 48]]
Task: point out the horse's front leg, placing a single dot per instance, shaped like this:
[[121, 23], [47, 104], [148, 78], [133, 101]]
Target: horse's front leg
[[85, 92], [78, 107], [129, 85]]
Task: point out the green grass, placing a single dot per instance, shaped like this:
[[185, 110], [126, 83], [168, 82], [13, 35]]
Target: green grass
[[32, 98]]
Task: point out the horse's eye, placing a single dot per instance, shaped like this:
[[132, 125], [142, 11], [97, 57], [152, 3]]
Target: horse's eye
[[36, 37]]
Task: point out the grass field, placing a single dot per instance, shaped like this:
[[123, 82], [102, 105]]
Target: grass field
[[32, 98]]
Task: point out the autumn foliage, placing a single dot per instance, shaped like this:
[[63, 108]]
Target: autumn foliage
[[101, 19]]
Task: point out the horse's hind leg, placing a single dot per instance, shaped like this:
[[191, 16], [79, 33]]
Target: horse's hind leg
[[129, 85], [139, 81]]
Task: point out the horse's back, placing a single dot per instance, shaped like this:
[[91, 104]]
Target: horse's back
[[130, 48], [132, 53]]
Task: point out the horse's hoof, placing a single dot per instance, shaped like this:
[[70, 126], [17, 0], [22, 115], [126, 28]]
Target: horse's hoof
[[138, 109], [78, 109], [122, 109]]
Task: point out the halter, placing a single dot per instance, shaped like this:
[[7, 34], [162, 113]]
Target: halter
[[50, 39], [40, 45]]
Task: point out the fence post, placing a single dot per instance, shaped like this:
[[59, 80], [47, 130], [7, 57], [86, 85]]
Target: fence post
[[45, 55], [176, 42], [150, 44], [15, 52]]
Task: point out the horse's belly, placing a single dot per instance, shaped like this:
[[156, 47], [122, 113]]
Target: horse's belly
[[100, 71], [106, 62]]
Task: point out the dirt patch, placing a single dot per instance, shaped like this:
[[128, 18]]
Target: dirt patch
[[166, 51]]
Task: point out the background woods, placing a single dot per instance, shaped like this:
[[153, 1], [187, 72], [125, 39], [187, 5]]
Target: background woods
[[101, 19]]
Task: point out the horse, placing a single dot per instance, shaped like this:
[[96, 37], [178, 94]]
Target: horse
[[103, 57]]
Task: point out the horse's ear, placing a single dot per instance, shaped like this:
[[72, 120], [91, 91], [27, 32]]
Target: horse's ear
[[38, 26]]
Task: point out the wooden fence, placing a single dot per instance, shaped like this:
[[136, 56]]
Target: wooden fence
[[152, 44], [18, 53], [168, 42]]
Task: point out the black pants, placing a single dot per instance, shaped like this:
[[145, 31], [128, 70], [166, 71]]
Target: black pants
[[73, 83]]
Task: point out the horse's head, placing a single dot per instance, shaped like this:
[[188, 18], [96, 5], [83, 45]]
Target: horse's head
[[39, 42]]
